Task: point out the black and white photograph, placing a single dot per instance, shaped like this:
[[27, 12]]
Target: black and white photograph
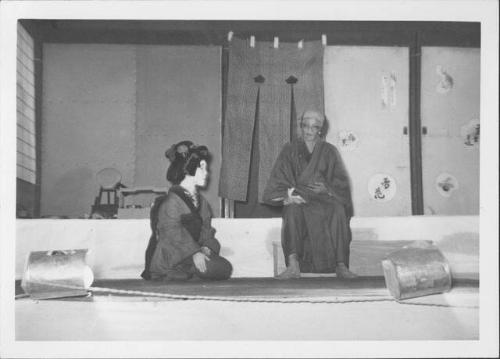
[[249, 178]]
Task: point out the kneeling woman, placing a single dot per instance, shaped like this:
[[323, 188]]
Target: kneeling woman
[[186, 244]]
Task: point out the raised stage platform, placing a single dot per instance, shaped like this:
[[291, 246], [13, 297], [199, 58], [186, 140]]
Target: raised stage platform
[[116, 247], [251, 305]]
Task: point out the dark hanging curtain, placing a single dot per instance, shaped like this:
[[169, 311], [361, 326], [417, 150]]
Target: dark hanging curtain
[[247, 160], [239, 121], [292, 80], [251, 208]]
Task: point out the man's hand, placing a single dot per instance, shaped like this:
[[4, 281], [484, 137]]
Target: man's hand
[[199, 260], [293, 199], [318, 187]]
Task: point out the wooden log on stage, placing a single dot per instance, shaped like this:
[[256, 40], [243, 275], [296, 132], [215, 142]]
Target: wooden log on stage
[[416, 270]]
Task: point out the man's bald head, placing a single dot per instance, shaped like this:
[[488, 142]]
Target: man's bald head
[[313, 114]]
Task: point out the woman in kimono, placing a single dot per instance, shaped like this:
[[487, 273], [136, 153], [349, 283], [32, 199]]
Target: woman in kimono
[[310, 180], [185, 242]]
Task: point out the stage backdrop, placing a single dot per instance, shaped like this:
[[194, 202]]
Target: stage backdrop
[[122, 106], [450, 144], [367, 103], [266, 68]]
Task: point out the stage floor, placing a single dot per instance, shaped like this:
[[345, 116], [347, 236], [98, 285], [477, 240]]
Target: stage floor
[[359, 309], [309, 287]]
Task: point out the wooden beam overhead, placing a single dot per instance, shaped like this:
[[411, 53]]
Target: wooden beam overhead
[[214, 32]]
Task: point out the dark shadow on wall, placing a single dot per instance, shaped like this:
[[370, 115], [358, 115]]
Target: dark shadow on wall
[[25, 199], [71, 187]]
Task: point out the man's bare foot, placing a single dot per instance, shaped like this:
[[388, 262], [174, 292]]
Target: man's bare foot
[[293, 269], [343, 272], [290, 273]]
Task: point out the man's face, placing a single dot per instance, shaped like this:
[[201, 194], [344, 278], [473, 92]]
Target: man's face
[[311, 126]]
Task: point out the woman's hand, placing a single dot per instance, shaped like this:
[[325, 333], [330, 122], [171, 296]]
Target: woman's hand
[[293, 199], [199, 260], [318, 187], [205, 250]]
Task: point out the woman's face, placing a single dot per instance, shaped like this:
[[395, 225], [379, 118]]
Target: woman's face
[[201, 175], [311, 126]]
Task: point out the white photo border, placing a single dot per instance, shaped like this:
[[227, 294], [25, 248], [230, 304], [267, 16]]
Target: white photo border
[[485, 12]]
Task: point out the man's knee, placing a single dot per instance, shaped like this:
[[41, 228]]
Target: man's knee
[[218, 268]]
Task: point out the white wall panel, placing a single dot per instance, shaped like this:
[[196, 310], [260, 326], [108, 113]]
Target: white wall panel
[[449, 104], [178, 98], [122, 106], [367, 94], [88, 122]]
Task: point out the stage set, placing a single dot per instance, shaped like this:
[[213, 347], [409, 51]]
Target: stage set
[[100, 101], [252, 305]]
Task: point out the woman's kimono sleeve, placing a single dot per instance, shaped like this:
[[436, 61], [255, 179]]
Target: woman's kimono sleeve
[[174, 237], [207, 233]]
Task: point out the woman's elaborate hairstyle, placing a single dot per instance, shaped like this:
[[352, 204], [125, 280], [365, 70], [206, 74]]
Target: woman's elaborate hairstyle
[[185, 157]]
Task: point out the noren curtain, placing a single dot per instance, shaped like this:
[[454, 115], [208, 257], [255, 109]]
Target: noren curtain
[[275, 66]]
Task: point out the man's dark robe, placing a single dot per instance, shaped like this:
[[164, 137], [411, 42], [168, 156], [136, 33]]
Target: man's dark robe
[[182, 230], [317, 231]]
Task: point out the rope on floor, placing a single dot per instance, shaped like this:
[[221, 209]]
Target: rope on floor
[[237, 299], [268, 300]]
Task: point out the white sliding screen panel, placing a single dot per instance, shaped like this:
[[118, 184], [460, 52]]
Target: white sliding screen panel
[[450, 130], [367, 104]]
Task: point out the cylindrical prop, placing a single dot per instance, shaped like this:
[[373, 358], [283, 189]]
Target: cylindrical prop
[[416, 270], [57, 274]]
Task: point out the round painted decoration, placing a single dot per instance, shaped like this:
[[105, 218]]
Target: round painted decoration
[[382, 187], [446, 184], [470, 134], [445, 83], [348, 141]]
